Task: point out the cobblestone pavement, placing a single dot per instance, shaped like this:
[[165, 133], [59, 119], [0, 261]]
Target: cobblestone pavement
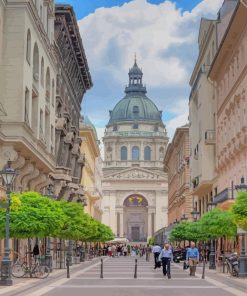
[[119, 281]]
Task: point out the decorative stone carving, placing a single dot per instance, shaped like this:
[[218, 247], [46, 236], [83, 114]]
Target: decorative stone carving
[[134, 174]]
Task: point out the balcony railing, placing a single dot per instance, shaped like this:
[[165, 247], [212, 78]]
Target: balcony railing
[[210, 137], [223, 196]]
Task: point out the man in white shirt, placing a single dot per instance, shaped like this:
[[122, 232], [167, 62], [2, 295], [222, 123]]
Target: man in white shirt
[[156, 251]]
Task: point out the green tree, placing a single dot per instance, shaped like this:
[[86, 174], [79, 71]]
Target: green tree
[[218, 223], [32, 215], [239, 210], [191, 231]]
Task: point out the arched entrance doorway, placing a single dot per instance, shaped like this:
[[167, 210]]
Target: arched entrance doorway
[[135, 218]]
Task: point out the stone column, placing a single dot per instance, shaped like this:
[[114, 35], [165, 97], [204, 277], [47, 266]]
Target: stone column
[[149, 223], [142, 151], [121, 222]]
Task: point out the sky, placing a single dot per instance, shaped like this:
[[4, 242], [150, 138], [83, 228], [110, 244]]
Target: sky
[[162, 33]]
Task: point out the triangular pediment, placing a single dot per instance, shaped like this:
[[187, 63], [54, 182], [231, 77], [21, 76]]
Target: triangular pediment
[[135, 173]]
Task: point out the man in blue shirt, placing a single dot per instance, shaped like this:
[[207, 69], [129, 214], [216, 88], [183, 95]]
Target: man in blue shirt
[[166, 257], [156, 251], [192, 257]]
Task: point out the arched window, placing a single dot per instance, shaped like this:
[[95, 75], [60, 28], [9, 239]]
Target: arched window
[[36, 63], [53, 92], [28, 49], [124, 153], [42, 73], [47, 85], [147, 153], [135, 153]]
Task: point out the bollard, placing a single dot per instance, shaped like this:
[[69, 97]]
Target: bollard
[[135, 274], [203, 268], [101, 269], [67, 265]]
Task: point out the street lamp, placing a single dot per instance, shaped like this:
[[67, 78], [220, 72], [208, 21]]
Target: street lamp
[[8, 174], [184, 218], [48, 256], [242, 233], [195, 214], [211, 206]]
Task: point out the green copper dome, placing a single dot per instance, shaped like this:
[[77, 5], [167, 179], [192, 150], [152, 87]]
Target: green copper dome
[[135, 106]]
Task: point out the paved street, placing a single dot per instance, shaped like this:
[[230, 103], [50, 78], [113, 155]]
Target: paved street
[[119, 280]]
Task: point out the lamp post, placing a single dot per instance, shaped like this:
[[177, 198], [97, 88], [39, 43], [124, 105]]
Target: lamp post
[[195, 214], [8, 174], [48, 256], [211, 206], [242, 233]]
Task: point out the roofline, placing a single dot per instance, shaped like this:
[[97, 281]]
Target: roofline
[[224, 37]]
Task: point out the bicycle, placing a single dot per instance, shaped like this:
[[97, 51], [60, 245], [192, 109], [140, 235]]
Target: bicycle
[[34, 269]]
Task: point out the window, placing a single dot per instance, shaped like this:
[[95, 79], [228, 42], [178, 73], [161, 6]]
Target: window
[[27, 94], [135, 126], [47, 85], [136, 110], [135, 153], [42, 71], [147, 153], [124, 153], [36, 63], [28, 49], [53, 92], [41, 123]]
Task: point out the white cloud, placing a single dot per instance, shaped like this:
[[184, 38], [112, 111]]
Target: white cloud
[[177, 121], [165, 40]]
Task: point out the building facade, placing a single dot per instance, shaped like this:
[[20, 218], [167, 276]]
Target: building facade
[[202, 120], [72, 81], [228, 72], [176, 162], [134, 183], [91, 175], [27, 97]]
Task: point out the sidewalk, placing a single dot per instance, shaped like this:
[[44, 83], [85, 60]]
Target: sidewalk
[[22, 283], [224, 278]]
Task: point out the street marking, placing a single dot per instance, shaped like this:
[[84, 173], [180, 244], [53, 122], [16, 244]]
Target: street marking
[[131, 278], [44, 290], [133, 287], [225, 287]]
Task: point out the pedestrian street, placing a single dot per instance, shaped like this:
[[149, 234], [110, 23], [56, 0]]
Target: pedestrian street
[[118, 280]]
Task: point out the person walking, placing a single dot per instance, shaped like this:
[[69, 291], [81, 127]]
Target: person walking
[[166, 257], [156, 251], [192, 258]]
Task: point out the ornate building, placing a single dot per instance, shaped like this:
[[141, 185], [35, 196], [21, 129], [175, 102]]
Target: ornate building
[[134, 183], [27, 91], [72, 81], [177, 164], [92, 172]]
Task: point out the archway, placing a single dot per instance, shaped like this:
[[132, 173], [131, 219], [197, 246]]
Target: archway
[[135, 218]]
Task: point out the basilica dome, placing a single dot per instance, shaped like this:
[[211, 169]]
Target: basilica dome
[[135, 106]]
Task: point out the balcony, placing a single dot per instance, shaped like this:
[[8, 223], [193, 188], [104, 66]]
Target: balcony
[[223, 196], [210, 137]]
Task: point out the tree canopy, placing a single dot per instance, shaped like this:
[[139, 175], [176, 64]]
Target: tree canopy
[[191, 231], [34, 215], [218, 223], [239, 210]]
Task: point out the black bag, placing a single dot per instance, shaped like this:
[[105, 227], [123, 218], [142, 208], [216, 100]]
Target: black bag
[[186, 266], [36, 250], [158, 264]]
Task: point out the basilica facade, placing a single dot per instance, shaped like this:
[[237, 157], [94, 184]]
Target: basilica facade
[[134, 184]]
